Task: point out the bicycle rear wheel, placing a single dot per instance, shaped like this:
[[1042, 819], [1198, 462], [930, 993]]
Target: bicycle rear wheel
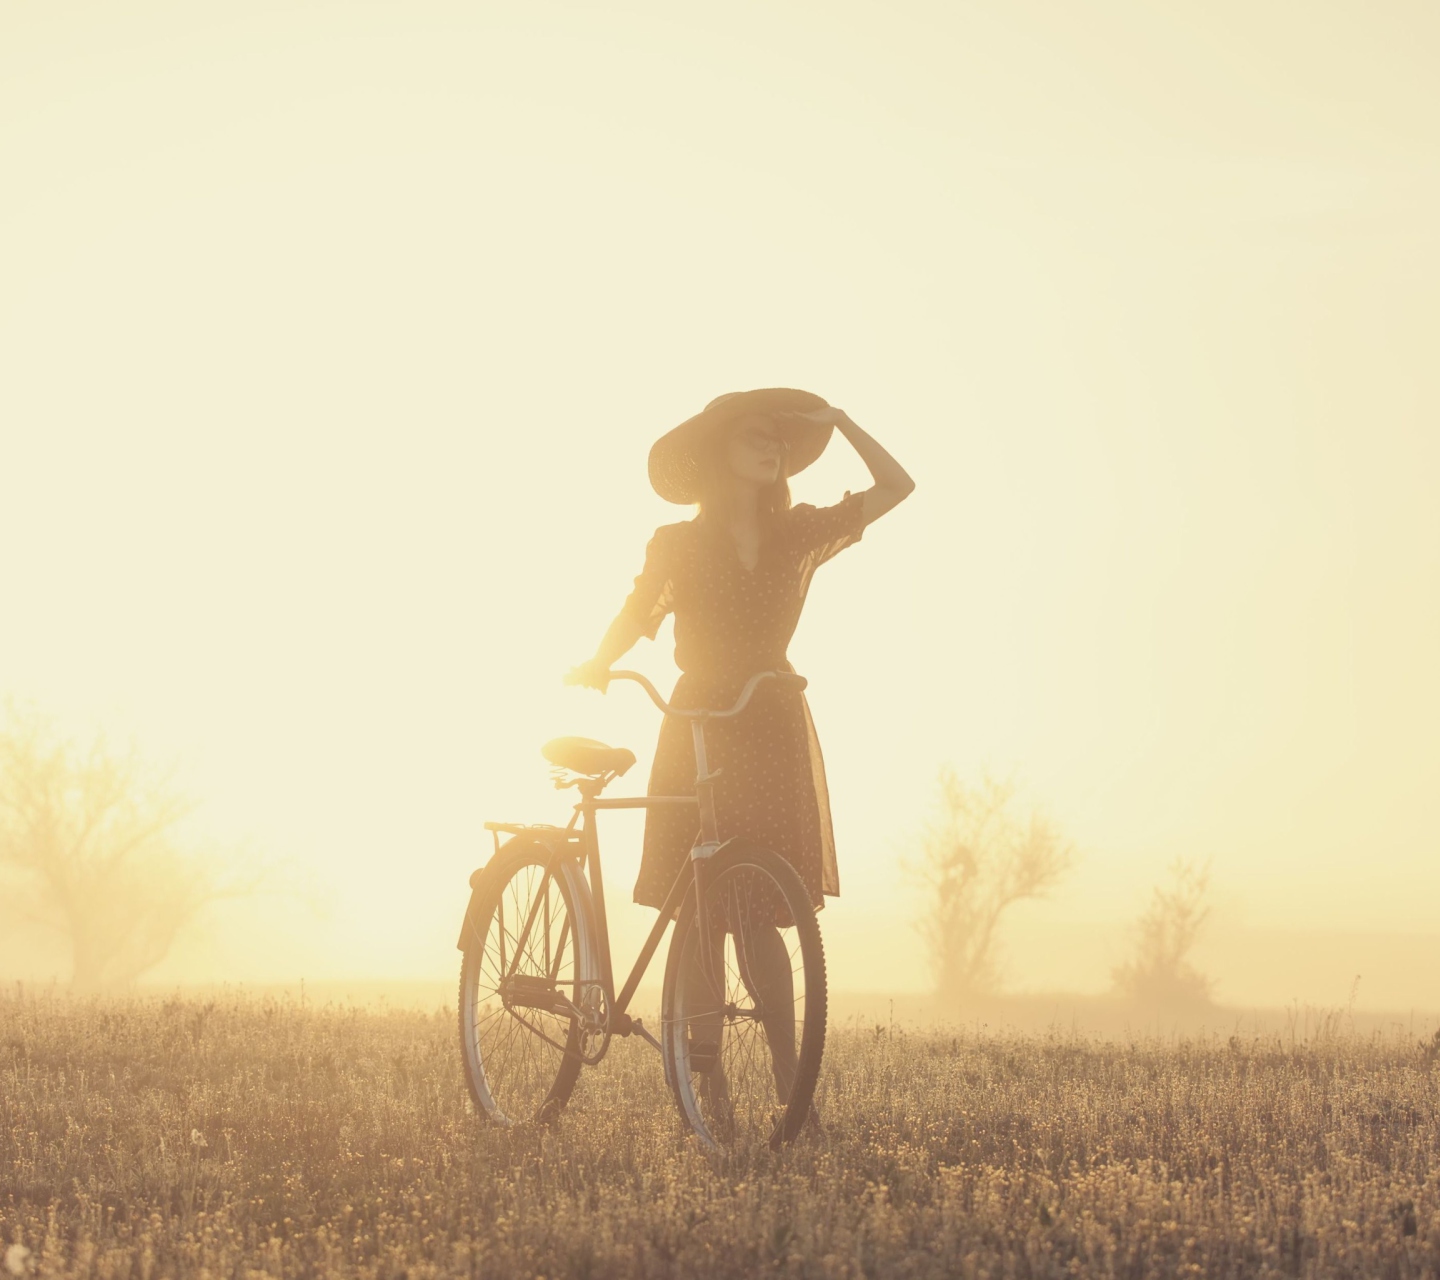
[[529, 1014], [743, 1031]]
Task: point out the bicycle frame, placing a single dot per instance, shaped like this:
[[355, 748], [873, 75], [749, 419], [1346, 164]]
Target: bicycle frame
[[707, 844], [590, 847]]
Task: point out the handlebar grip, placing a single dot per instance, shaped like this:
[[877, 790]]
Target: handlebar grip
[[791, 680]]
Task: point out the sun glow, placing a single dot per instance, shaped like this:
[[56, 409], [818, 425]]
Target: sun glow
[[335, 340]]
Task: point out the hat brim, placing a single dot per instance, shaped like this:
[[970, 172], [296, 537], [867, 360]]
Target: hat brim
[[675, 457]]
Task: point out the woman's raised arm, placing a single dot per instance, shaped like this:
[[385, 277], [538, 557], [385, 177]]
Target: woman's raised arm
[[892, 482]]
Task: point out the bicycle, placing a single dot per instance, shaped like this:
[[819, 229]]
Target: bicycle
[[537, 991]]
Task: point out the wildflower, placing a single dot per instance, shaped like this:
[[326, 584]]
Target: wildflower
[[17, 1259], [197, 1139]]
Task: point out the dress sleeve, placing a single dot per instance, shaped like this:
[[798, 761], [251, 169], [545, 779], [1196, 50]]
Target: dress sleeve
[[826, 531], [654, 593]]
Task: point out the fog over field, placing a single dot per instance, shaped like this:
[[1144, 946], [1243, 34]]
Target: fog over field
[[334, 339]]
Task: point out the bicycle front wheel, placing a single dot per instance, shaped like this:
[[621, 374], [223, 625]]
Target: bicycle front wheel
[[531, 1000], [744, 1026]]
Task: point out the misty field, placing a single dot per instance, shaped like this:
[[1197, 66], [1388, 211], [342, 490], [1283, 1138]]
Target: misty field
[[246, 1138]]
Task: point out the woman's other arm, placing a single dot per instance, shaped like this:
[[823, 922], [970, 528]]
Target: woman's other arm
[[618, 640], [641, 614]]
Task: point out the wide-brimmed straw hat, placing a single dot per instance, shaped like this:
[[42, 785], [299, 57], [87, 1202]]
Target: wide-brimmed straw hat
[[675, 457]]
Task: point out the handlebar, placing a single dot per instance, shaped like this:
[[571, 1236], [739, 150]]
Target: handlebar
[[787, 679]]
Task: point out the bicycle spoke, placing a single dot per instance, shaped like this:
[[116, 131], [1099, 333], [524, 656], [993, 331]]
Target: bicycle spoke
[[742, 1086], [521, 1045]]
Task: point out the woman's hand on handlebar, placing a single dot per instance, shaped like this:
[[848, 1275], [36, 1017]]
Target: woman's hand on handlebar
[[592, 674]]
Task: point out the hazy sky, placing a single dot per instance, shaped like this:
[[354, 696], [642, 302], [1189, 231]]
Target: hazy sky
[[333, 337]]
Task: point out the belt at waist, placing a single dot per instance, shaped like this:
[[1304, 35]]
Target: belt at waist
[[717, 690]]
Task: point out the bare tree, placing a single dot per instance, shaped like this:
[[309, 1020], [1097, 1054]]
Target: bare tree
[[1160, 973], [980, 858], [93, 839]]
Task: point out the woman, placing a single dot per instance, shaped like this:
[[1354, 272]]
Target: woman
[[736, 577]]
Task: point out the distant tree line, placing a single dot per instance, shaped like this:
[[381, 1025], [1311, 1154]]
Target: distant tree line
[[979, 856], [95, 847]]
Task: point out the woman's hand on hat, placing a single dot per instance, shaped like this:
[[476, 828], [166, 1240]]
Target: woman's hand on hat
[[591, 674], [825, 416]]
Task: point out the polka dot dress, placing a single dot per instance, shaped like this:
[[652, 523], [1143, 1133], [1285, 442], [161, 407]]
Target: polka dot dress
[[731, 622]]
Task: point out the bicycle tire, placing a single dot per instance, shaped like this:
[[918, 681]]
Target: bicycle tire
[[521, 1062], [744, 884]]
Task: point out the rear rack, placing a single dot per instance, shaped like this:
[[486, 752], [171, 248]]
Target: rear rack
[[520, 828]]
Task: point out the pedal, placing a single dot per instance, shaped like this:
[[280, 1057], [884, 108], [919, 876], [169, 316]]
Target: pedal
[[526, 991]]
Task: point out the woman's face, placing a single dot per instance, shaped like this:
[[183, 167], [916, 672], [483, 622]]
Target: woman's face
[[756, 450]]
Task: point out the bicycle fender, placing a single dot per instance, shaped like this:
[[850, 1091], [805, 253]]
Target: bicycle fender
[[556, 843], [738, 844]]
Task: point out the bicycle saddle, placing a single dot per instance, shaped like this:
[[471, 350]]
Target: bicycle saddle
[[585, 755]]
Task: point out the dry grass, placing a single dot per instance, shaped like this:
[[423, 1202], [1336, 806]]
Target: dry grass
[[227, 1138]]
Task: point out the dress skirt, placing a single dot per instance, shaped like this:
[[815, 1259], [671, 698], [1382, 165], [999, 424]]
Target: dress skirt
[[770, 789]]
